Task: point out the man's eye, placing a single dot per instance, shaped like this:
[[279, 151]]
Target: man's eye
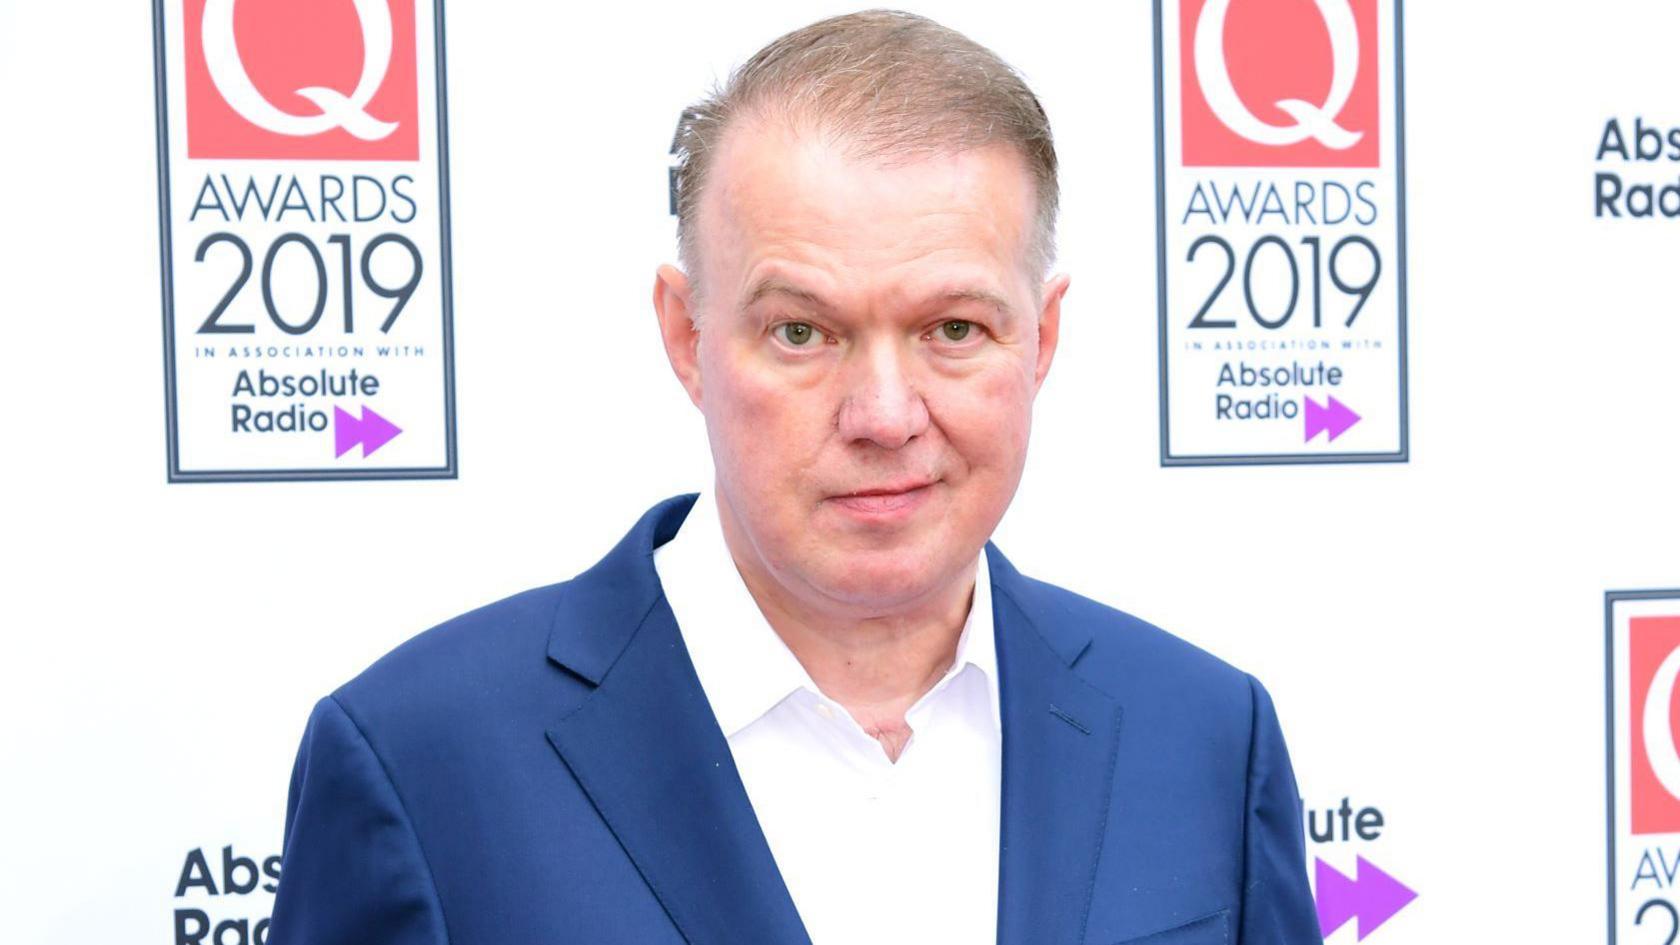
[[797, 334], [955, 330]]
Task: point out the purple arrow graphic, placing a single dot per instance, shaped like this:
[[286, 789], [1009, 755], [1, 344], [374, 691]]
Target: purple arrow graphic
[[1336, 418], [372, 431], [1374, 897]]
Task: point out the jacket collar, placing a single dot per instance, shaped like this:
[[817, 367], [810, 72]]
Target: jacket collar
[[600, 609], [648, 751]]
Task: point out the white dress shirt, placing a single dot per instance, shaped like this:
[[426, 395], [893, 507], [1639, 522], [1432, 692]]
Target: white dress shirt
[[873, 852]]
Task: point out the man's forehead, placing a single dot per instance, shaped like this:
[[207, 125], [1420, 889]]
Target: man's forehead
[[787, 187]]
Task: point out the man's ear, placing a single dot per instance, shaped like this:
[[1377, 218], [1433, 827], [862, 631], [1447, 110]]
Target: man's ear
[[1049, 326], [673, 301]]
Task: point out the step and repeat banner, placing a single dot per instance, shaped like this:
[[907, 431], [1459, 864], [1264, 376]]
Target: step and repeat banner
[[325, 323]]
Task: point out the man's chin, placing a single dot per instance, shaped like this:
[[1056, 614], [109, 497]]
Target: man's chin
[[882, 581]]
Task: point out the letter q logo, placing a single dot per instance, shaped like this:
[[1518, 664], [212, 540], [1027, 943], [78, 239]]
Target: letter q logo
[[1279, 83], [301, 79], [1654, 758]]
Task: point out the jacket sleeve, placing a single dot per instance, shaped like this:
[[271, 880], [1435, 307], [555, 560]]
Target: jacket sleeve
[[352, 871], [1277, 907]]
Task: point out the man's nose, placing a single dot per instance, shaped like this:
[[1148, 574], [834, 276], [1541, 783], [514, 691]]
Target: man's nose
[[881, 402]]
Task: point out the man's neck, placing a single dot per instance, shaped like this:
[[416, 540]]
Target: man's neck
[[876, 667]]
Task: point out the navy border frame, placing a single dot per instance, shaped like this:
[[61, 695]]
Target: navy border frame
[[1610, 599], [449, 470], [1283, 459]]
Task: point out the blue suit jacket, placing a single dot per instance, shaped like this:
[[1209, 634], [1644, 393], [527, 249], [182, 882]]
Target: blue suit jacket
[[546, 769]]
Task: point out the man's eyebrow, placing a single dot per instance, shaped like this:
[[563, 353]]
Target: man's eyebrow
[[982, 296], [774, 286]]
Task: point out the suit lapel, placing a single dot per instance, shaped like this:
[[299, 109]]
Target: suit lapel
[[1060, 740], [647, 750]]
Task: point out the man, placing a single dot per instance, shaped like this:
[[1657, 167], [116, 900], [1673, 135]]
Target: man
[[815, 704]]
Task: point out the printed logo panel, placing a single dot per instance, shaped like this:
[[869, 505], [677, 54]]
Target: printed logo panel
[[1359, 895], [224, 896], [1653, 664], [1642, 654], [311, 79], [1279, 84], [303, 163], [1281, 232]]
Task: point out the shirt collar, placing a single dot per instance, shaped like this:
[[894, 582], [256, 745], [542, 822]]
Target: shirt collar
[[745, 668]]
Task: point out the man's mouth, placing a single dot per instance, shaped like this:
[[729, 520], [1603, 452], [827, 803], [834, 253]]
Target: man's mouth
[[887, 499]]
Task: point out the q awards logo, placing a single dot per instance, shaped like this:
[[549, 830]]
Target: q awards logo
[[1281, 231], [1642, 657], [303, 183]]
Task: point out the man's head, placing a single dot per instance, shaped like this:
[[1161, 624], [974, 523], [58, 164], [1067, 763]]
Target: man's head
[[866, 213]]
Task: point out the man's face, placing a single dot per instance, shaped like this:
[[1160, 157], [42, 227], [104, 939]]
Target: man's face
[[869, 348]]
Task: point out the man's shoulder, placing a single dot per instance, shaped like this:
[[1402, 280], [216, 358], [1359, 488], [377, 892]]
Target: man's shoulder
[[472, 665], [507, 656], [1130, 658]]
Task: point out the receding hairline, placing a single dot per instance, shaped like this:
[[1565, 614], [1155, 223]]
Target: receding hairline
[[888, 87], [765, 140]]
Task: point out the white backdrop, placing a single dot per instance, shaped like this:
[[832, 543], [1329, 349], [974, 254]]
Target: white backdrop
[[1432, 631]]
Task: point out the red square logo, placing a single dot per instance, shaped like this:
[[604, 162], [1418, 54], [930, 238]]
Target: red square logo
[[1654, 759], [301, 79], [1279, 83]]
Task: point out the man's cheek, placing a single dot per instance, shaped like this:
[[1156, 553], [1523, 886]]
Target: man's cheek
[[764, 402], [739, 390], [982, 414], [774, 430]]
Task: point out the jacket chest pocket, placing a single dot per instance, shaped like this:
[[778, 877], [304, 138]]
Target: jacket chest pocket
[[1212, 929]]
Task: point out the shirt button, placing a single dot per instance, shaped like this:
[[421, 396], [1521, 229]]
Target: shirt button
[[824, 711]]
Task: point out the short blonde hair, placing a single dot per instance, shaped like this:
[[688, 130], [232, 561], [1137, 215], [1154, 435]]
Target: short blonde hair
[[888, 84]]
